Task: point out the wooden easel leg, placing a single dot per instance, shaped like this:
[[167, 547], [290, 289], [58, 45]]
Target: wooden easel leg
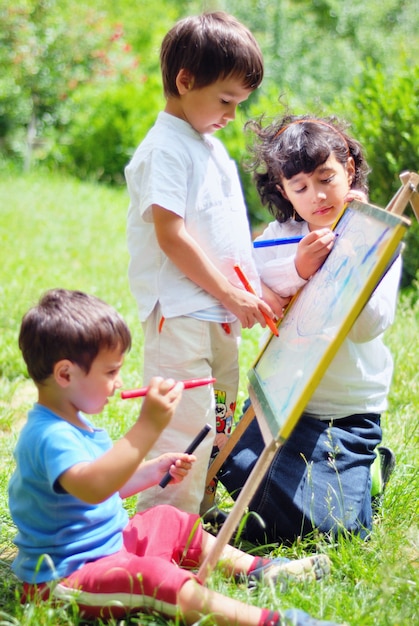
[[233, 520], [413, 181], [406, 193], [226, 450]]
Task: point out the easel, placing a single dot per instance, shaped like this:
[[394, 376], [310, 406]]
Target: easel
[[407, 193]]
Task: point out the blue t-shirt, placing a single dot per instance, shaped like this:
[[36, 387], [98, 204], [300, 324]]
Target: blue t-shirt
[[58, 533]]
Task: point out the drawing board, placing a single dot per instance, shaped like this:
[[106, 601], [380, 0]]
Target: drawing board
[[290, 366]]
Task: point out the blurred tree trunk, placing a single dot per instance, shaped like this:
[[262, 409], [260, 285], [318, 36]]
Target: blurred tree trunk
[[30, 141]]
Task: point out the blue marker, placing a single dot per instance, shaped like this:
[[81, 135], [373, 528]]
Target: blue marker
[[266, 243], [276, 242]]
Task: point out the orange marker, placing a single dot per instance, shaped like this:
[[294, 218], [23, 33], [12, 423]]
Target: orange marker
[[250, 289], [187, 384]]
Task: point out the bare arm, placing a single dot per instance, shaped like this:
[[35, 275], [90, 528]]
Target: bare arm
[[151, 472], [275, 301], [186, 254], [97, 480]]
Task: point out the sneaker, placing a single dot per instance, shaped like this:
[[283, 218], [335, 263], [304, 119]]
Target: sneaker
[[387, 462], [295, 617], [381, 470], [281, 570], [213, 520]]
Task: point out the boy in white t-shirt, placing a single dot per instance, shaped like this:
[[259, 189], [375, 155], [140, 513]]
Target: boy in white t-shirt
[[187, 228]]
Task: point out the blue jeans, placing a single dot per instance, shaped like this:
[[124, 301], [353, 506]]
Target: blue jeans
[[319, 479]]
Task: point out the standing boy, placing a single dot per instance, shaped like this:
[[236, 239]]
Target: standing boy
[[187, 228]]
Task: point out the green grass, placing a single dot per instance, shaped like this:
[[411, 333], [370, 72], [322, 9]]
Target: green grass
[[60, 232]]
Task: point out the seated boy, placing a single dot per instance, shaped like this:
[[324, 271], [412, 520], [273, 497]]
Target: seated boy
[[74, 536]]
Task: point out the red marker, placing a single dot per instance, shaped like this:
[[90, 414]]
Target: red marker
[[188, 384], [250, 289]]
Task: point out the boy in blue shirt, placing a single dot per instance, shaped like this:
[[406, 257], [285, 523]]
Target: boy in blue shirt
[[74, 536]]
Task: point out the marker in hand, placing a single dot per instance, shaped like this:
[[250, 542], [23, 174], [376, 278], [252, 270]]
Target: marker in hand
[[187, 384], [250, 289], [192, 446], [265, 243]]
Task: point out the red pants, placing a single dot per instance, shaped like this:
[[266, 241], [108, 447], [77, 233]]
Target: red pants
[[147, 573]]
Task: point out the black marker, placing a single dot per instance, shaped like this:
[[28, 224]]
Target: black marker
[[192, 446]]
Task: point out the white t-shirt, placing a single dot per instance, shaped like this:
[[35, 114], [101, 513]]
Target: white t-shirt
[[191, 175], [358, 378]]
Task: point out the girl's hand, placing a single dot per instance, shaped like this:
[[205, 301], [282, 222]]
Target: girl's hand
[[356, 194], [275, 301], [178, 464], [312, 251]]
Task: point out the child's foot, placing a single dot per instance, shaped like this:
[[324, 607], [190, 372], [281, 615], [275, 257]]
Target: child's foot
[[281, 570], [213, 520], [381, 470], [295, 617]]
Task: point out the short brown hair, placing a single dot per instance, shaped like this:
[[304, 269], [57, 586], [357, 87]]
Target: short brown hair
[[210, 46], [69, 325]]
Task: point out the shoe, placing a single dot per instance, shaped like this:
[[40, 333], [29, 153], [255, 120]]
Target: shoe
[[281, 570], [295, 617], [381, 470], [213, 520], [387, 462]]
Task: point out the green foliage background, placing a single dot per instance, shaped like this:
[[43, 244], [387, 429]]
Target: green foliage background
[[80, 85]]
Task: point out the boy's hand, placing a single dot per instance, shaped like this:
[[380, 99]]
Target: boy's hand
[[160, 403], [178, 464], [312, 251], [122, 468], [247, 307]]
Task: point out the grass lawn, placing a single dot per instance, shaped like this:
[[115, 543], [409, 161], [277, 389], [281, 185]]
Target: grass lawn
[[59, 232]]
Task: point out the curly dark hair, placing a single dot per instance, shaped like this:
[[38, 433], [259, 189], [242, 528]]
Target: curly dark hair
[[297, 144]]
